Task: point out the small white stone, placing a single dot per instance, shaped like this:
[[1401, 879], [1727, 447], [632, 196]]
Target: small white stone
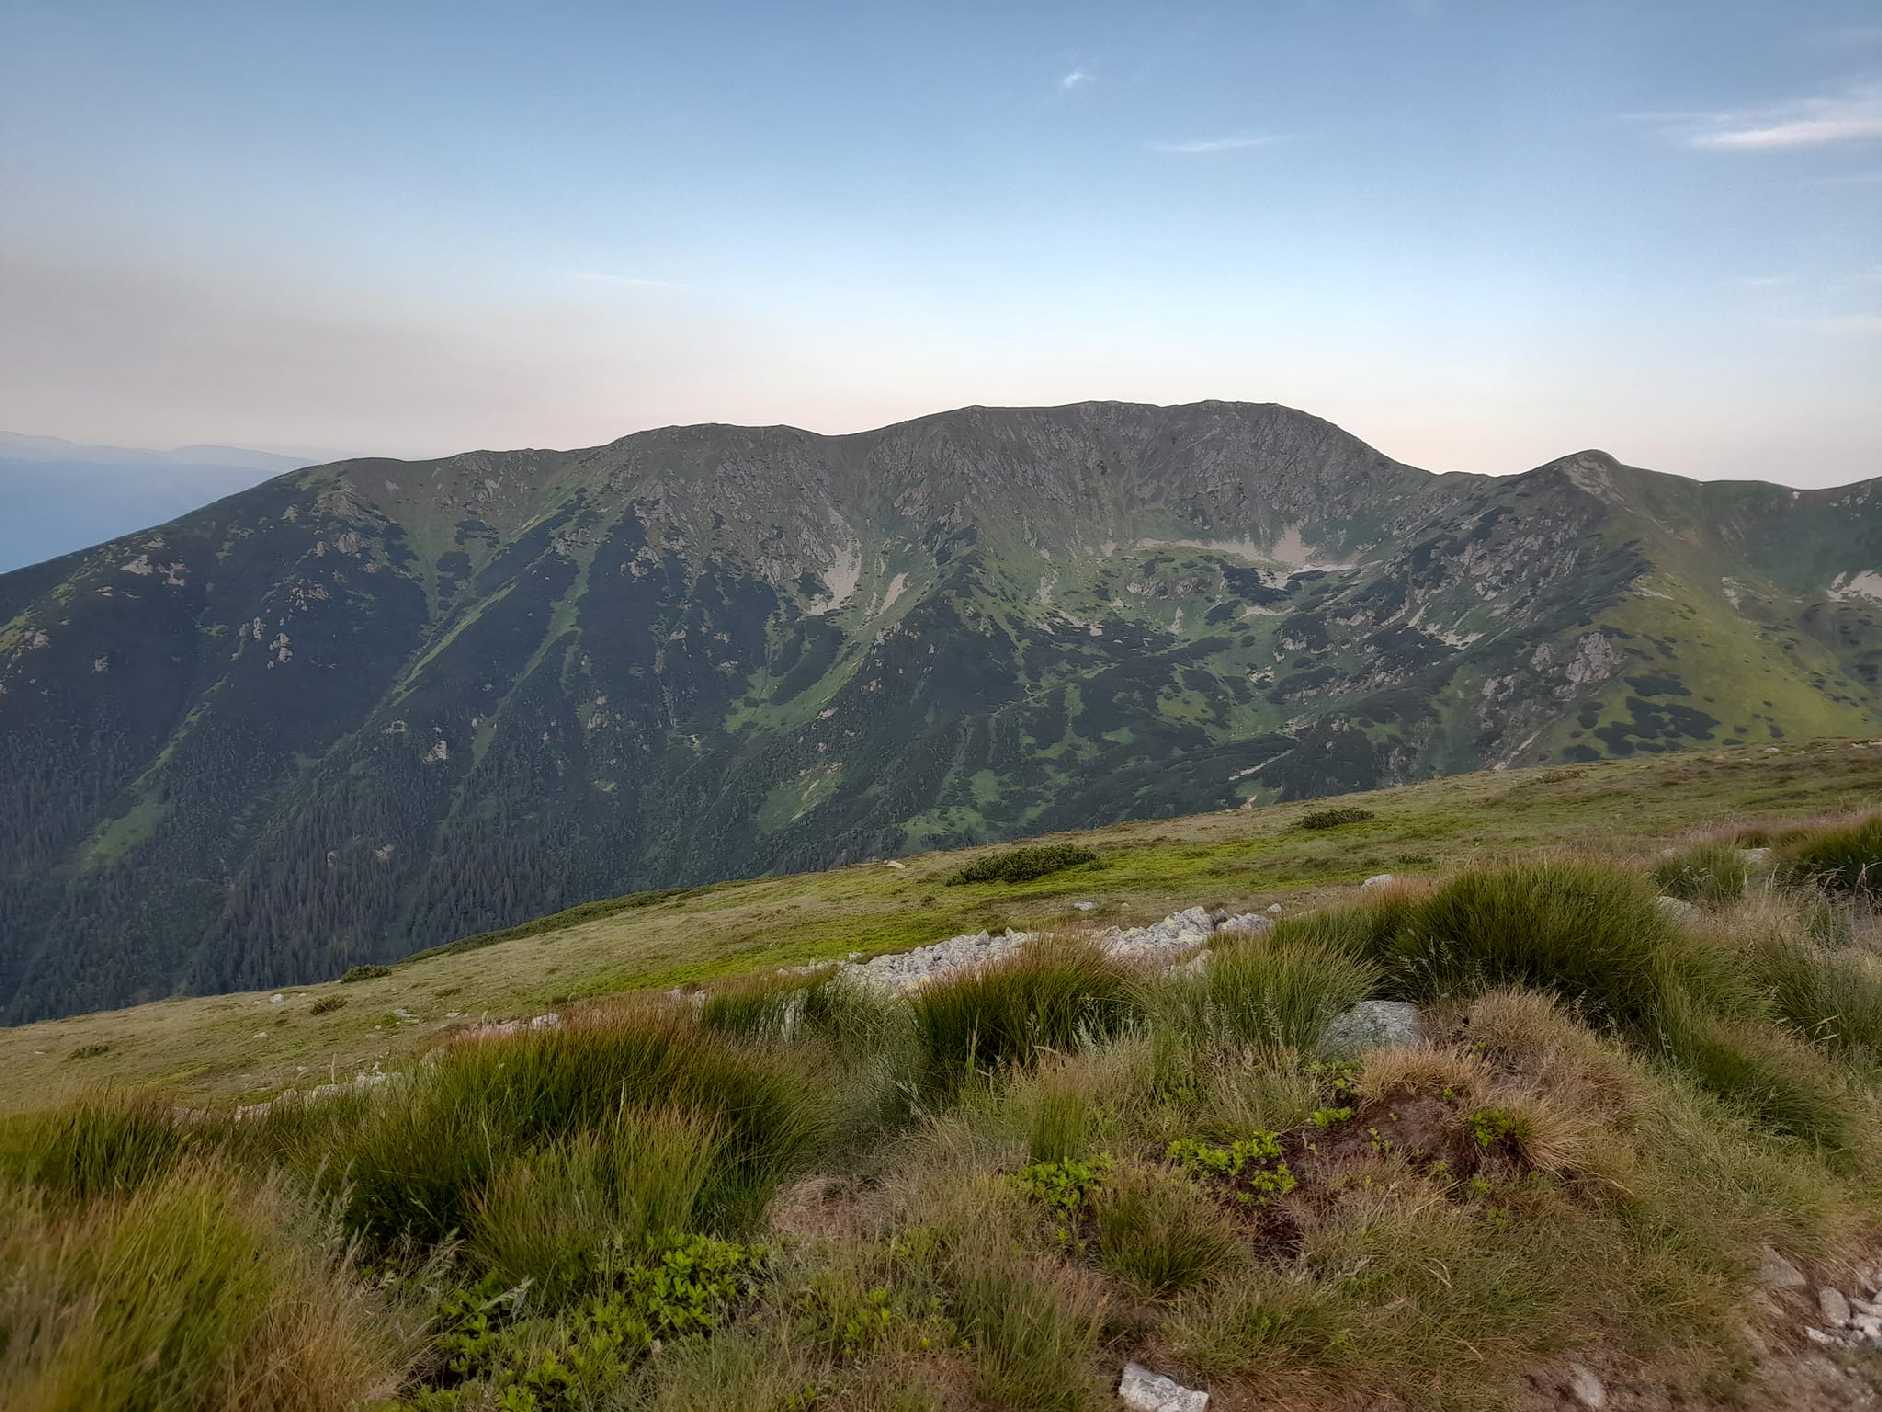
[[1586, 1388], [1379, 880], [1835, 1307], [1085, 904], [1145, 1391], [1274, 909], [277, 999]]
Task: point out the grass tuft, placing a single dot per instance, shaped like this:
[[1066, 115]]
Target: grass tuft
[[1711, 874]]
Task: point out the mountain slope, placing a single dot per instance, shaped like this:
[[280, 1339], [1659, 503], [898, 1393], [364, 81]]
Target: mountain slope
[[370, 706]]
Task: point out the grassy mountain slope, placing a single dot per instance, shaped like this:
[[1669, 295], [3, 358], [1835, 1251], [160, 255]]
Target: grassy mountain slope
[[1608, 1152], [370, 707], [241, 1046]]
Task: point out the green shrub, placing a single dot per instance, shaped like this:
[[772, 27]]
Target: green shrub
[[683, 1286], [1334, 818], [559, 1214], [365, 973], [326, 1005], [1017, 865], [1711, 873], [1049, 996], [1841, 859], [1159, 1234], [1278, 992], [1065, 1190], [1251, 1169], [423, 1152]]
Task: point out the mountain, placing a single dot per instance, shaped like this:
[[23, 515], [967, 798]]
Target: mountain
[[62, 495], [371, 706]]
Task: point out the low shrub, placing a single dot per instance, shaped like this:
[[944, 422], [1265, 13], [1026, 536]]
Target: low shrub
[[326, 1005], [1016, 865], [364, 973], [1711, 874], [1334, 818], [1845, 858], [1250, 1170], [1051, 996]]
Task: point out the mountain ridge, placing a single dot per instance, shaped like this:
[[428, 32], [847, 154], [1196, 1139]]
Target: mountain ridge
[[368, 706]]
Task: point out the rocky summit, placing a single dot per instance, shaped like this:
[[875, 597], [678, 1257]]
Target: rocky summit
[[369, 707]]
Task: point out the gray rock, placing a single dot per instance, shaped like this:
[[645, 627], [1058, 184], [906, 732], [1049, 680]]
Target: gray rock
[[1372, 1024], [1586, 1388], [1834, 1306], [1677, 909], [1754, 857], [1145, 1391], [1085, 904], [1379, 880], [1274, 909], [1775, 1272], [1244, 922]]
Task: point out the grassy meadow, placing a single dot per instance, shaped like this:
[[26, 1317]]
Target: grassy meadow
[[782, 1191]]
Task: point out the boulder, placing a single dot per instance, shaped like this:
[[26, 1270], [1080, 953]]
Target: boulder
[[1372, 1024], [1834, 1306], [1244, 922], [1379, 880], [1676, 909], [1145, 1391]]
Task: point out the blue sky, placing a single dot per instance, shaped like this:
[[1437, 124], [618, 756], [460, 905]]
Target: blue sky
[[1478, 235]]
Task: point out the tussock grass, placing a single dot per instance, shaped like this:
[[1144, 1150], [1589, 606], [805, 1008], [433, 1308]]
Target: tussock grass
[[1162, 1235], [1711, 874], [1279, 993], [558, 1214], [422, 1154], [198, 1290], [1052, 996], [105, 1144], [1843, 858], [1032, 1325]]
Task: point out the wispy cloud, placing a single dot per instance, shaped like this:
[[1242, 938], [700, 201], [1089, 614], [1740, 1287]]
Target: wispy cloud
[[1077, 78], [1202, 145], [1864, 323], [625, 281], [1853, 116]]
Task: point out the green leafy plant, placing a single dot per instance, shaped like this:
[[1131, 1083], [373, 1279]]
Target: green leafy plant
[[1334, 818], [1015, 865], [365, 973], [1065, 1189], [1252, 1169]]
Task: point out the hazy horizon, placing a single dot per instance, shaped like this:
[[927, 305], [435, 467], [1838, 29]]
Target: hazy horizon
[[1477, 239]]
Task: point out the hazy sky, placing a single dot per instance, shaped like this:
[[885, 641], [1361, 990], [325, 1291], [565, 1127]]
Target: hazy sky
[[1477, 235]]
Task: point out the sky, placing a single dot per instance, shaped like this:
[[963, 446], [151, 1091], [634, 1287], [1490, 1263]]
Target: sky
[[1479, 236]]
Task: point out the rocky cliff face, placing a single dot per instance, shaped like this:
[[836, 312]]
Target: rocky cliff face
[[371, 706]]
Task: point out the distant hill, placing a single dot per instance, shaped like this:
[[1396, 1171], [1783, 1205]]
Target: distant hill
[[63, 496], [371, 706]]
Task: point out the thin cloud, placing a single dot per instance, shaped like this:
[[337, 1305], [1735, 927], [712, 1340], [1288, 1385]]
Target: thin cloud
[[625, 281], [1203, 145], [1849, 323], [1077, 78], [1855, 116]]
